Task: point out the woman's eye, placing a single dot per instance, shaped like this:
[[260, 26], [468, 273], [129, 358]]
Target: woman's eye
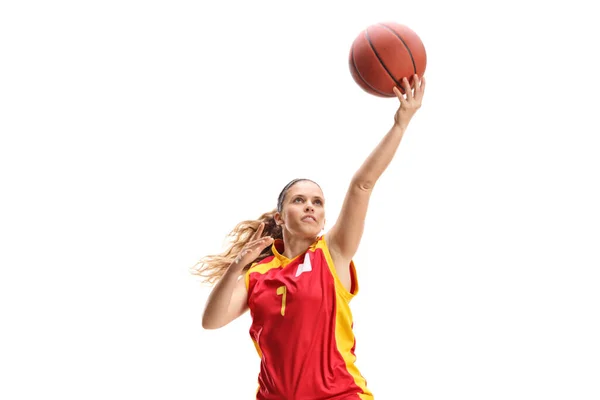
[[297, 199]]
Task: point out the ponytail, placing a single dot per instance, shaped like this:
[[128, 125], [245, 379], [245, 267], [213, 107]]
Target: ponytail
[[212, 267]]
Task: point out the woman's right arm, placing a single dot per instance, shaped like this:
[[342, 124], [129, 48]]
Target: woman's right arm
[[227, 301], [229, 298]]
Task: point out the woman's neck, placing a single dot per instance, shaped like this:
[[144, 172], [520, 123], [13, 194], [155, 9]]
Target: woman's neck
[[295, 246]]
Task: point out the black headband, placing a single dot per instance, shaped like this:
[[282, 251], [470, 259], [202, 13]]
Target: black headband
[[283, 192]]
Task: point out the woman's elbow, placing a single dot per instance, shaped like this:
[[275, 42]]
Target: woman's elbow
[[362, 184], [210, 326], [209, 323]]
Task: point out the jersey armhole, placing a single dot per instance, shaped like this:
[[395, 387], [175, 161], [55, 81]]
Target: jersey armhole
[[354, 287]]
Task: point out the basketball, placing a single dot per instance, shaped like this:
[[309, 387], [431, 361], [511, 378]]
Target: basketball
[[383, 54]]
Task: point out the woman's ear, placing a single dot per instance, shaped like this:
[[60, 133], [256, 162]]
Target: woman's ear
[[278, 219]]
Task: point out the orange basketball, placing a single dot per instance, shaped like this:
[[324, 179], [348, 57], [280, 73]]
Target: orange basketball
[[383, 54]]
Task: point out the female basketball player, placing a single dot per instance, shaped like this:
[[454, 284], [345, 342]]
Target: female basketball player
[[298, 284]]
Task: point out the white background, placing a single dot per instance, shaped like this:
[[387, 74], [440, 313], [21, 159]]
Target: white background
[[135, 135]]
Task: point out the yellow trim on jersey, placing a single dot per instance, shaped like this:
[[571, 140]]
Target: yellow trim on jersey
[[279, 260], [257, 348], [344, 336], [260, 268]]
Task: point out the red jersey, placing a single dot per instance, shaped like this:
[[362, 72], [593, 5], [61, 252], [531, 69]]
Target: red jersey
[[302, 327]]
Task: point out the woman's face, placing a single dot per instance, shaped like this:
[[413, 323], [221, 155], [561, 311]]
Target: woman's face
[[303, 212]]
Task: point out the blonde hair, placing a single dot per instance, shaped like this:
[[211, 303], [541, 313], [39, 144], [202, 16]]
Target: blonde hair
[[212, 267]]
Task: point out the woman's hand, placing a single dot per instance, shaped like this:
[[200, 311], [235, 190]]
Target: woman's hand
[[254, 247], [410, 102]]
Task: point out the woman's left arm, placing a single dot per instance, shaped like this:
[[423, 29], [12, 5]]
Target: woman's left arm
[[344, 237]]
